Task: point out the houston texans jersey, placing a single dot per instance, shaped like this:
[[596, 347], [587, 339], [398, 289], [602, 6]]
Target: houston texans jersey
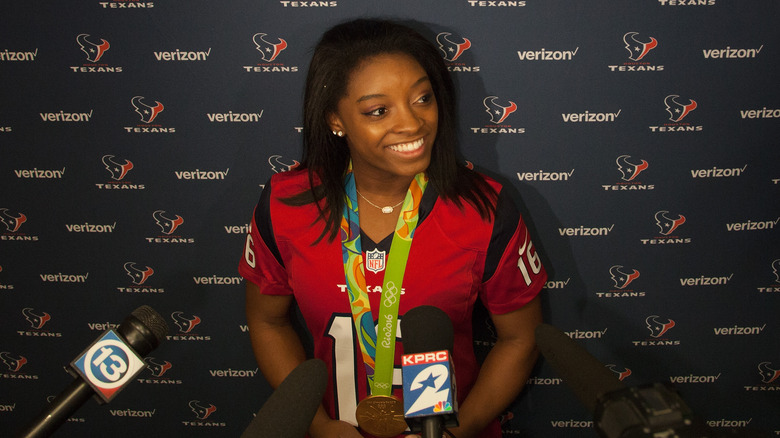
[[455, 258]]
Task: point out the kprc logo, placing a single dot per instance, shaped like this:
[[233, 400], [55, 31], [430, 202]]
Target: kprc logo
[[429, 377]]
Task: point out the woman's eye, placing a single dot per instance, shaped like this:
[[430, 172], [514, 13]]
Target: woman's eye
[[377, 112], [427, 98]]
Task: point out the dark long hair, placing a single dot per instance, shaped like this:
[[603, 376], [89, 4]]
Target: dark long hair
[[326, 156]]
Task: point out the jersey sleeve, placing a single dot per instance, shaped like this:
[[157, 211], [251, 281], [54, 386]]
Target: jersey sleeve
[[514, 274], [261, 262]]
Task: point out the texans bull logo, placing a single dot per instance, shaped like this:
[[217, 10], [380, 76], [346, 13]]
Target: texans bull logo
[[185, 323], [36, 321], [676, 110], [94, 51], [202, 412], [629, 170], [666, 223], [268, 50], [638, 49], [167, 225], [277, 165], [657, 327], [498, 113], [147, 112], [620, 278], [12, 223], [138, 276], [768, 375], [451, 49], [118, 171], [13, 364], [157, 369], [621, 375]]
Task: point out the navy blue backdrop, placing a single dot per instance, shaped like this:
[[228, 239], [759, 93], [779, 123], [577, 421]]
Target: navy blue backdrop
[[641, 137]]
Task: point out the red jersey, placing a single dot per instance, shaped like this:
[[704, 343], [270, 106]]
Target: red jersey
[[455, 258]]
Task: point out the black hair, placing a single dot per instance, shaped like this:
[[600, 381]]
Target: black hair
[[326, 156]]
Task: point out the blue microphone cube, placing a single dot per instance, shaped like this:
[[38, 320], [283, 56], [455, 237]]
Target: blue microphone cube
[[429, 387], [108, 365]]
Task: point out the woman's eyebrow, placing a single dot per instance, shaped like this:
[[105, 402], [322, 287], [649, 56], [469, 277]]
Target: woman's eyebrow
[[372, 96]]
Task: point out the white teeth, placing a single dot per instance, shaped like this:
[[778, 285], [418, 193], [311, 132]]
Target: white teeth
[[408, 147]]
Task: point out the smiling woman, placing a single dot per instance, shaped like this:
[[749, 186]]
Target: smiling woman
[[380, 171]]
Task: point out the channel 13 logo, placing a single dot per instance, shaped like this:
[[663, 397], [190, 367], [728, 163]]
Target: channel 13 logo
[[108, 364]]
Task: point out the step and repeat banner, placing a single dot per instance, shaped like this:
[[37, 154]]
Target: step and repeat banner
[[641, 137]]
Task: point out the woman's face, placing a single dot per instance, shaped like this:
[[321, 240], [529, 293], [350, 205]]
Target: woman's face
[[389, 117]]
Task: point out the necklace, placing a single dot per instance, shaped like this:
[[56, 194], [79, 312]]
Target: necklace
[[386, 209]]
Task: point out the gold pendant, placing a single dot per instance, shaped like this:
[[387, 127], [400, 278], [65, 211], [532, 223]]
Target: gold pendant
[[381, 415]]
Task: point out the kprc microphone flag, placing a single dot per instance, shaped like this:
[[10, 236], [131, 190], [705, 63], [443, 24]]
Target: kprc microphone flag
[[428, 384]]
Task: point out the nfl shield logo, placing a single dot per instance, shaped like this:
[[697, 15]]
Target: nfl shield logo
[[375, 261]]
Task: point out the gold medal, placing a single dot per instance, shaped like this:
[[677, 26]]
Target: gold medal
[[381, 415]]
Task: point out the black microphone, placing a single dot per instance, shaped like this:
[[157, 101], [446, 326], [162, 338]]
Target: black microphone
[[430, 403], [620, 411], [584, 374], [289, 410], [103, 369]]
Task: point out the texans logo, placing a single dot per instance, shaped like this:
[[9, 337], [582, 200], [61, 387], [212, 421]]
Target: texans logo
[[202, 412], [621, 375], [450, 49], [628, 170], [139, 276], [278, 166], [12, 223], [776, 270], [157, 369], [498, 113], [269, 51], [147, 112], [620, 278], [184, 323], [36, 321], [13, 364], [656, 327], [94, 51], [118, 171], [676, 110], [638, 49], [768, 375], [167, 225], [667, 224]]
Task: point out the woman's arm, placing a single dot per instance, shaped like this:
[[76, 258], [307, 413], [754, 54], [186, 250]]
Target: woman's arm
[[278, 350], [504, 371]]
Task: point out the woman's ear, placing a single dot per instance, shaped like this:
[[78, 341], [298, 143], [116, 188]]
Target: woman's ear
[[335, 124]]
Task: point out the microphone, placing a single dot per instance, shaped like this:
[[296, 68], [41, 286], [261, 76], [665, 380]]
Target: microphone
[[289, 410], [430, 404], [620, 411], [103, 369], [584, 374]]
